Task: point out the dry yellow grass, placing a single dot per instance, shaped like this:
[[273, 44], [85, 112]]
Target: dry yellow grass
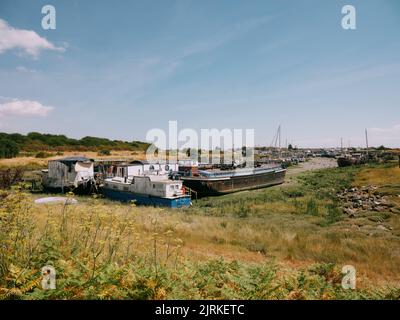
[[276, 229], [378, 177], [289, 240], [39, 162]]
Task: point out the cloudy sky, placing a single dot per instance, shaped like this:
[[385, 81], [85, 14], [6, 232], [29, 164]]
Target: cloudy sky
[[117, 69]]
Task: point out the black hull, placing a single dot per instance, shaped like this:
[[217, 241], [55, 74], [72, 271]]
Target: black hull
[[215, 187], [80, 190], [346, 162]]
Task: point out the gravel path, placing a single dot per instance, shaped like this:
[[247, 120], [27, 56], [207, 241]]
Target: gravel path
[[312, 164]]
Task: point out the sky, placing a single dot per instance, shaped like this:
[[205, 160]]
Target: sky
[[117, 69]]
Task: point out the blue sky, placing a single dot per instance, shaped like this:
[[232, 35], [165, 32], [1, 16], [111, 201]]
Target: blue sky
[[117, 69]]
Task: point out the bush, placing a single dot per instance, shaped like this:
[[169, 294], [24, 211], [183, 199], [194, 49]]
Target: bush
[[43, 154], [104, 152], [9, 177], [312, 207], [334, 214], [8, 148], [35, 141]]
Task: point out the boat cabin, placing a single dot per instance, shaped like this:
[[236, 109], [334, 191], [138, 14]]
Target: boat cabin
[[67, 173], [151, 185], [138, 168]]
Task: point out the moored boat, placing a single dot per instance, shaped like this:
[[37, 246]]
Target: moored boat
[[351, 160], [147, 189], [218, 182]]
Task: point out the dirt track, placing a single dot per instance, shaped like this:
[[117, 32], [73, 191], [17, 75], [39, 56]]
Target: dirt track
[[313, 164]]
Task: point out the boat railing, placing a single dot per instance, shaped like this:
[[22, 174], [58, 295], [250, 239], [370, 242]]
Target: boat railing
[[190, 192]]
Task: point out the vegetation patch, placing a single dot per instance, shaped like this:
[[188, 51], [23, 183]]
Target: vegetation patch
[[12, 144], [285, 242]]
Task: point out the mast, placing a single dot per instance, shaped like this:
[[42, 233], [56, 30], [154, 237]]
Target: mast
[[366, 142], [279, 130], [276, 141]]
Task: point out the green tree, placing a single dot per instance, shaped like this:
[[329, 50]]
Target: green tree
[[8, 148]]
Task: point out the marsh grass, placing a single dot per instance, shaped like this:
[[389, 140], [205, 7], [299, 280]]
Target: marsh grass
[[286, 242]]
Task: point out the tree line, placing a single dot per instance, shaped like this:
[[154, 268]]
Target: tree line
[[13, 143]]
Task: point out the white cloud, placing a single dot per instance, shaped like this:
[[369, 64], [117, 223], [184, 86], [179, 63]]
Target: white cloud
[[388, 136], [24, 108], [27, 40], [25, 69], [391, 130]]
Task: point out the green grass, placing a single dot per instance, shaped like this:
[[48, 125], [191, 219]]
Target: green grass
[[314, 194]]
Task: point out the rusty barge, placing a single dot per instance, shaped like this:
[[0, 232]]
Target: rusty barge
[[216, 182]]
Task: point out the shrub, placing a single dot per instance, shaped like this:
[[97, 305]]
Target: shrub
[[43, 154], [334, 214], [312, 207], [294, 192], [8, 148], [104, 152], [9, 177]]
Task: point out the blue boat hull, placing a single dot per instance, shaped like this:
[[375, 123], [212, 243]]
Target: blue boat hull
[[142, 199]]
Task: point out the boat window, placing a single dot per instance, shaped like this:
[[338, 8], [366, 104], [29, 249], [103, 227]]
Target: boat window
[[154, 185], [151, 168], [166, 167], [177, 186], [171, 188]]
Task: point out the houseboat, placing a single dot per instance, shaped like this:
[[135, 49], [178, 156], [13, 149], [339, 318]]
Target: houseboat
[[218, 182], [69, 174], [147, 189]]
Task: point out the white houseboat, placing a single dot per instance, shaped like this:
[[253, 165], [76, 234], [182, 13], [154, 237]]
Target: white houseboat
[[147, 189]]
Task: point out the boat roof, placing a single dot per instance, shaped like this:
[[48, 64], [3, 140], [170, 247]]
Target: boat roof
[[144, 162], [67, 160], [139, 162]]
